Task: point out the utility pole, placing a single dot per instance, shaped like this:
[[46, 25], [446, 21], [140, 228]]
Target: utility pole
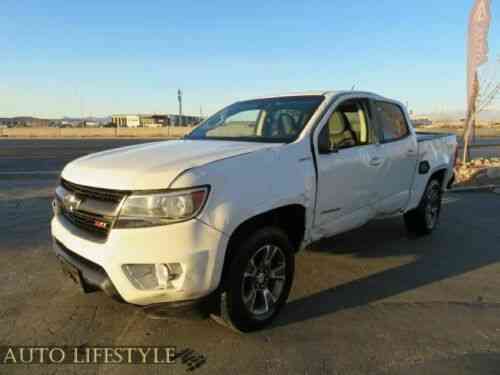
[[179, 98], [81, 110]]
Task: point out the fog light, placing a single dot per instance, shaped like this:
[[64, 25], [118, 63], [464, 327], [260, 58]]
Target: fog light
[[161, 272], [152, 276], [175, 270]]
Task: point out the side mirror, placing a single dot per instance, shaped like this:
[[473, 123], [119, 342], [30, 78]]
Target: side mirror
[[324, 145]]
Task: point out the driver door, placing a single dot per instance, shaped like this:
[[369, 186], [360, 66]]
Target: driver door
[[348, 171]]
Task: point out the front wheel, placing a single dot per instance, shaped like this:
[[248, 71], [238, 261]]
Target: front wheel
[[257, 282], [425, 218]]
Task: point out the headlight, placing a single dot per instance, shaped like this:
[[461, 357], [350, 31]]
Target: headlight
[[145, 210]]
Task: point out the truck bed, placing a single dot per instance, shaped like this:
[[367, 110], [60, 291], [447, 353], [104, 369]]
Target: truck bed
[[439, 151]]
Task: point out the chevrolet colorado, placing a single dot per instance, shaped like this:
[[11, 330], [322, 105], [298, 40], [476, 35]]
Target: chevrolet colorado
[[220, 214]]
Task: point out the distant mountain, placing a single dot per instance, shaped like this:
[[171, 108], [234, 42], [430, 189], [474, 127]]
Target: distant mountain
[[104, 120], [27, 118]]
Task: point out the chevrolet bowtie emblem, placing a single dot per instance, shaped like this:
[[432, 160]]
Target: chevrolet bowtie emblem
[[71, 202]]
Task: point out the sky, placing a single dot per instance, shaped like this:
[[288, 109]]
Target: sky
[[95, 58]]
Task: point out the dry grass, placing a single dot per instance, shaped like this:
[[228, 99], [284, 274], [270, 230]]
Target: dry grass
[[478, 172]]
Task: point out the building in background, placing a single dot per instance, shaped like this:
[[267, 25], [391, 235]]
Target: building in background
[[161, 120], [148, 121], [421, 121], [184, 120], [126, 121], [153, 121]]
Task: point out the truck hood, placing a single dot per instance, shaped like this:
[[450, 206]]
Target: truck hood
[[153, 165]]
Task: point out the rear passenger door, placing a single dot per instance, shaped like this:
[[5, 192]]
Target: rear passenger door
[[398, 152]]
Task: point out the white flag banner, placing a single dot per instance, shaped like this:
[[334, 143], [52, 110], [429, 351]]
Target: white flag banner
[[479, 25]]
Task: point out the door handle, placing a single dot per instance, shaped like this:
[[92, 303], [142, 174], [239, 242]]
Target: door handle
[[411, 152], [376, 161]]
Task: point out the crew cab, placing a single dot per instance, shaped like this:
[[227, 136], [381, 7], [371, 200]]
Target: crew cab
[[215, 219]]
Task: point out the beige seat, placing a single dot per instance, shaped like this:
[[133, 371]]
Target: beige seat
[[341, 134]]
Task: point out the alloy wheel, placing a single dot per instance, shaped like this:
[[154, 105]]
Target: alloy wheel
[[433, 206], [264, 280]]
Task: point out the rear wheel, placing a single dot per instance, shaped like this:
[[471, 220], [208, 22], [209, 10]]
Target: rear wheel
[[425, 218], [257, 282]]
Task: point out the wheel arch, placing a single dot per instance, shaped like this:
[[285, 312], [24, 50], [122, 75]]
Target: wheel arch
[[440, 175], [290, 218], [421, 182]]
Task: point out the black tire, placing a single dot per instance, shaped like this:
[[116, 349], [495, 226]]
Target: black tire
[[232, 309], [425, 218]]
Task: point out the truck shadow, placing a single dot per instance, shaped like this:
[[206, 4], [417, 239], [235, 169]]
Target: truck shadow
[[456, 248]]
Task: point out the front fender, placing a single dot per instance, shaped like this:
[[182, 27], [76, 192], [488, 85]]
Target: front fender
[[255, 183]]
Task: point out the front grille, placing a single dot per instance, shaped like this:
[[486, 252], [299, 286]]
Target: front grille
[[94, 193], [88, 222], [96, 211]]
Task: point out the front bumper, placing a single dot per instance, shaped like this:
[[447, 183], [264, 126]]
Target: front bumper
[[198, 247], [92, 277]]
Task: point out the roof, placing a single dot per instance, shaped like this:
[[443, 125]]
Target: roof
[[328, 93], [150, 114]]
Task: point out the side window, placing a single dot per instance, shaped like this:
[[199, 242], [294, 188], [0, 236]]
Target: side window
[[392, 121], [348, 126]]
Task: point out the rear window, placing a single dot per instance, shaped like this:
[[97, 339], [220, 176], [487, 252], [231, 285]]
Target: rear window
[[393, 125]]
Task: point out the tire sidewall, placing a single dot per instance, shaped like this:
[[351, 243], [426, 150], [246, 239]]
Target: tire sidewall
[[433, 184], [239, 314]]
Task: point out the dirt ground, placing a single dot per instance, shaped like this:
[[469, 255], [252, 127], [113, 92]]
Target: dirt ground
[[478, 172]]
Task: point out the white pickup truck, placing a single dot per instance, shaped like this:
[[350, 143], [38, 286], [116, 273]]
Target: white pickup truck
[[219, 215]]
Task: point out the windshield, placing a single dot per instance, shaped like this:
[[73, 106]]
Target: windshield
[[263, 120]]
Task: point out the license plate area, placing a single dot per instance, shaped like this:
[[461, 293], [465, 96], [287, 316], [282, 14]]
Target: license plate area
[[71, 272]]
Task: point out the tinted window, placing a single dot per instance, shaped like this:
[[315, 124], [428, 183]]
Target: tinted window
[[392, 121]]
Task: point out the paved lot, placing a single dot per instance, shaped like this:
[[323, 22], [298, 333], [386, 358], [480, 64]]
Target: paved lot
[[49, 155], [52, 154], [374, 300]]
